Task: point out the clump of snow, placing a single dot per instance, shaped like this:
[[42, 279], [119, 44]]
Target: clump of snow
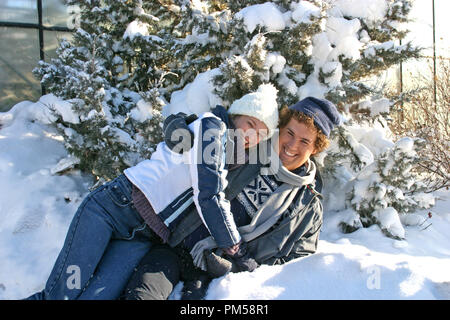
[[65, 164], [287, 83], [405, 144], [303, 11], [143, 111], [335, 68], [45, 111], [370, 141], [199, 38], [265, 15], [321, 49], [275, 61], [136, 28], [196, 97], [372, 11], [376, 107], [312, 88], [343, 34], [389, 221]]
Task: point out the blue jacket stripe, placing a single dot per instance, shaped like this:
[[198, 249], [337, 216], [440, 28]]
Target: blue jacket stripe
[[169, 210], [214, 208], [181, 209]]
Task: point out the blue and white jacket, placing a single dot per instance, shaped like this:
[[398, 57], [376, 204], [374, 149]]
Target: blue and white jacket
[[173, 182]]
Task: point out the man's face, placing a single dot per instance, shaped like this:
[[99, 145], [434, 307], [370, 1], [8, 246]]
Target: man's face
[[296, 144]]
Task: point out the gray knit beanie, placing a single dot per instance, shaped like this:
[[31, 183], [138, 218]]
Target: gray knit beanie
[[323, 112]]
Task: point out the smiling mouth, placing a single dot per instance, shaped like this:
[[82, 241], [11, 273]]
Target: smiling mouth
[[288, 153]]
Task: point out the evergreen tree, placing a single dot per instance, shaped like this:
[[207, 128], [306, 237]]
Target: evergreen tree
[[129, 56], [387, 182], [118, 103]]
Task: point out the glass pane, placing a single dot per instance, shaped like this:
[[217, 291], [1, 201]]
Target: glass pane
[[56, 13], [19, 11], [19, 56], [421, 34], [51, 42], [442, 8]]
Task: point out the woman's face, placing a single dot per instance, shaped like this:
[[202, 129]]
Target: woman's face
[[250, 129], [296, 144]]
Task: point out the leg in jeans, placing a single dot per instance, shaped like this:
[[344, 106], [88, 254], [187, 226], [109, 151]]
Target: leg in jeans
[[106, 213], [155, 276], [115, 269]]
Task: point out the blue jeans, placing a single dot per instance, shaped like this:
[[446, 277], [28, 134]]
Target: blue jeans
[[106, 240]]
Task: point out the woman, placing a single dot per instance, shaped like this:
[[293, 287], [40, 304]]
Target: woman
[[119, 222]]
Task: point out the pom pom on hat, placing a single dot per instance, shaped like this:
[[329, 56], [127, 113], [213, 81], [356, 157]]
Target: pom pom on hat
[[261, 105], [323, 112]]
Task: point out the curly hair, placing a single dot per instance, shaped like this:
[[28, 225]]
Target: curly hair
[[287, 114]]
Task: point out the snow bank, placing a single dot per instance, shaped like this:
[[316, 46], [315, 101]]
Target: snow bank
[[36, 206], [43, 111], [361, 265]]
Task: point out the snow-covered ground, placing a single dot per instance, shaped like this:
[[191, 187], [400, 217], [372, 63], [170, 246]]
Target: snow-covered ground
[[36, 207]]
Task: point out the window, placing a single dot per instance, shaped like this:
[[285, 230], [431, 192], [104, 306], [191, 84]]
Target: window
[[29, 32]]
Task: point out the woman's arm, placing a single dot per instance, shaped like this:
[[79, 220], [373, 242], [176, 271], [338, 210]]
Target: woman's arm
[[208, 175]]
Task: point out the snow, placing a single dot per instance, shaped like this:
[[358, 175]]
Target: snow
[[376, 107], [364, 264], [303, 11], [39, 196], [372, 11], [136, 28], [196, 97], [142, 111], [343, 34], [36, 208], [389, 220], [265, 15], [275, 61]]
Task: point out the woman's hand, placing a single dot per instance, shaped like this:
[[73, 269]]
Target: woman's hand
[[231, 251]]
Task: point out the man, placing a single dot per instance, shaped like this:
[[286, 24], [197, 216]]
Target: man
[[278, 211]]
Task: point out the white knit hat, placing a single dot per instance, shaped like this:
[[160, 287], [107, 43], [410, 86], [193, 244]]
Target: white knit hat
[[261, 104]]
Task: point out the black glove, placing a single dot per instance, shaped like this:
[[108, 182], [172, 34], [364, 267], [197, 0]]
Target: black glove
[[196, 289], [219, 266], [177, 135], [242, 260]]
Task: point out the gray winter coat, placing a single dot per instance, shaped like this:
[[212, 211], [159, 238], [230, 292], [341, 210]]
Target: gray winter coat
[[295, 235]]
